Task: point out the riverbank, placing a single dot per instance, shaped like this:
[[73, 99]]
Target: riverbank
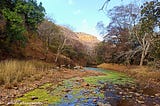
[[111, 89], [144, 76], [54, 76]]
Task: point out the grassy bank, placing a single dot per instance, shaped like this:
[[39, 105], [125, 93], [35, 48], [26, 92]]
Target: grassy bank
[[143, 74], [13, 71]]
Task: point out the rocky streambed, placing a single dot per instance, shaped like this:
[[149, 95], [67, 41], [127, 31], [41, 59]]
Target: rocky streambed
[[110, 89]]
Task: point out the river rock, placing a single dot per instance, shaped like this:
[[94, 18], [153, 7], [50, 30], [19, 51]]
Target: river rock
[[18, 101], [129, 96], [102, 104], [143, 105], [2, 103], [60, 83], [94, 100], [140, 101], [131, 92], [84, 84], [158, 94], [137, 94], [140, 98], [133, 89], [67, 90], [120, 93], [34, 97], [78, 79]]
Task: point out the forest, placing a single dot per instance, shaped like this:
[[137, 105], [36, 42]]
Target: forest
[[132, 36], [44, 63]]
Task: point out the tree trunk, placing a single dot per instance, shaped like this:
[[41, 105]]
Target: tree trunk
[[142, 58], [60, 49], [57, 55], [144, 51]]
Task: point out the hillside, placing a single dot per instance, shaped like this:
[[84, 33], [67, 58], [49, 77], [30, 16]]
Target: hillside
[[82, 43], [87, 38], [90, 41]]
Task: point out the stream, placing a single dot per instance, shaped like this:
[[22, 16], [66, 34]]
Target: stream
[[110, 89]]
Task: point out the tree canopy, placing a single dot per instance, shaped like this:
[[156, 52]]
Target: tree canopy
[[19, 16], [133, 32]]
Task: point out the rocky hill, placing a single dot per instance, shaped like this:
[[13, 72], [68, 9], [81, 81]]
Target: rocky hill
[[90, 41], [87, 38]]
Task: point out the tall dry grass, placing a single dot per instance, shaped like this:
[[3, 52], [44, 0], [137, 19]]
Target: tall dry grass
[[15, 70], [143, 73], [110, 66]]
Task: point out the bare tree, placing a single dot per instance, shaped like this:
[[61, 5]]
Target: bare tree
[[47, 31], [144, 31]]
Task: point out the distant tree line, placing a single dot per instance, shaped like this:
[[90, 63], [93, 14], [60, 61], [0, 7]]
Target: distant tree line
[[132, 36]]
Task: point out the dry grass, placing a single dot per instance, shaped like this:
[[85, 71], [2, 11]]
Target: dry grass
[[144, 73], [13, 71], [110, 66]]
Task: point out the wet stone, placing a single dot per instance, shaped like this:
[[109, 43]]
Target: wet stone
[[120, 93], [34, 97], [158, 95], [140, 102], [18, 101], [140, 98], [85, 84], [137, 94], [131, 92], [94, 100], [67, 90], [143, 105], [102, 104]]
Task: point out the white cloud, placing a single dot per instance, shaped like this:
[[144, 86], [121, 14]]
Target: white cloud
[[77, 12], [70, 2]]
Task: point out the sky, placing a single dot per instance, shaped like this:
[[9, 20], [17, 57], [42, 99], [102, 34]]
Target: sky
[[81, 15]]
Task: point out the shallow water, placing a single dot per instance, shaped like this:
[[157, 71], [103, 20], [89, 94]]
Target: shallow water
[[93, 96], [111, 89]]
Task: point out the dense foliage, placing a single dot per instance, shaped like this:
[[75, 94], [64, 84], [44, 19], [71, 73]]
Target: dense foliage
[[132, 36], [17, 17]]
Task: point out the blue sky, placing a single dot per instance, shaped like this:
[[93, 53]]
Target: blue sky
[[82, 15]]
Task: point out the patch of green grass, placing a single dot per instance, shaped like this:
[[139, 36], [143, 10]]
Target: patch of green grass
[[45, 86], [113, 77], [42, 94], [54, 94]]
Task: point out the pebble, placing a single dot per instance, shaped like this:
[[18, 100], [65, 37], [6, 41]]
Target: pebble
[[1, 103], [67, 90], [102, 104], [139, 101], [94, 92], [129, 96], [120, 93], [18, 101], [137, 94], [123, 96], [158, 95], [140, 98], [16, 88], [131, 92], [34, 97], [94, 100], [84, 84]]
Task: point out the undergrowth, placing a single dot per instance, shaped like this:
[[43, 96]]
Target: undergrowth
[[13, 71]]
